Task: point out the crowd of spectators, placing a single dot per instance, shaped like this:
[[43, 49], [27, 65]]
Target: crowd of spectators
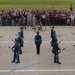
[[34, 17]]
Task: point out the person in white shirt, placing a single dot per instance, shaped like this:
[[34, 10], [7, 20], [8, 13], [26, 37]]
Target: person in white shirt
[[72, 16]]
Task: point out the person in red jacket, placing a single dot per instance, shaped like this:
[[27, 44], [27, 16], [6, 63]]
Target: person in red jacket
[[40, 26]]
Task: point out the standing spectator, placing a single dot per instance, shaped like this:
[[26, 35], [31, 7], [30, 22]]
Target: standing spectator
[[4, 21], [40, 26], [68, 18], [0, 17], [64, 18], [13, 16], [29, 19], [47, 19], [8, 19], [38, 16], [34, 21], [72, 18], [43, 17], [25, 17]]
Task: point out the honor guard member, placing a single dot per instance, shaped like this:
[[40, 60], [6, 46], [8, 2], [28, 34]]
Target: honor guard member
[[38, 41], [16, 53], [20, 41], [53, 36], [21, 31], [56, 52], [17, 40], [52, 30]]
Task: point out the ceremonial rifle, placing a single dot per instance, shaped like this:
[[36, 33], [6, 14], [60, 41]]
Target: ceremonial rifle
[[10, 48], [60, 51]]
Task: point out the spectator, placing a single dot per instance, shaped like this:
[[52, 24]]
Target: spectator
[[72, 19]]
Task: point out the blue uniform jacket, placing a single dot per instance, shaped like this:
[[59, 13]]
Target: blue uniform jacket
[[38, 39]]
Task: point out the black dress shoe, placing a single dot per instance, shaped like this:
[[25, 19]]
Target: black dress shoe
[[12, 61], [38, 53], [55, 62], [17, 62], [58, 62]]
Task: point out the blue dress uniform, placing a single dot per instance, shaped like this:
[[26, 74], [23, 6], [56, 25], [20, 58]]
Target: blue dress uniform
[[22, 33], [52, 30], [56, 51], [53, 36], [20, 41], [38, 41], [16, 53]]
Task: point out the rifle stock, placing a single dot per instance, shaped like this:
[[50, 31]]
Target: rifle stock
[[16, 34], [1, 36], [13, 40], [73, 33], [10, 48]]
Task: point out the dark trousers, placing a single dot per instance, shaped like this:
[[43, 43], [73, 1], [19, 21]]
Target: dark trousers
[[38, 48], [52, 42], [16, 57], [20, 50], [56, 57]]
